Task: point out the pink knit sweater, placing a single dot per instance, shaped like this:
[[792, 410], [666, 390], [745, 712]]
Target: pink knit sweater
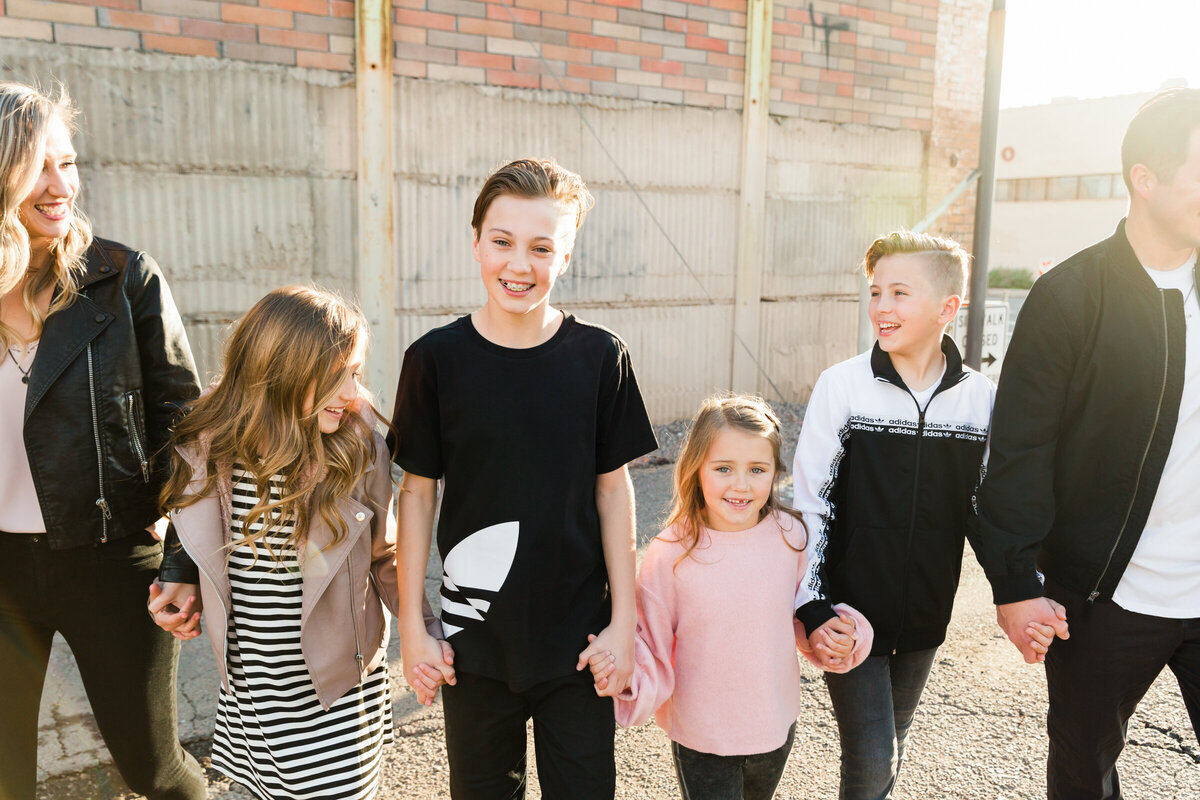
[[716, 639]]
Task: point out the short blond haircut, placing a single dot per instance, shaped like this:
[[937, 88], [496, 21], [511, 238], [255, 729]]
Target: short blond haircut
[[534, 178], [947, 262]]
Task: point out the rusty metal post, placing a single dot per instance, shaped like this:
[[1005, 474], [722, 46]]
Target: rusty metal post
[[375, 239], [747, 310]]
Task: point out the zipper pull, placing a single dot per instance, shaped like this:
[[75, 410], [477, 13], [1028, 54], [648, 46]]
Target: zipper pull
[[1092, 597], [102, 504], [146, 471]]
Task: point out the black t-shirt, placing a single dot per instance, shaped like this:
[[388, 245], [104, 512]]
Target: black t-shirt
[[519, 435]]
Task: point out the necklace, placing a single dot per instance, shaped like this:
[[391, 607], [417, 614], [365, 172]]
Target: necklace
[[1188, 296], [24, 372]]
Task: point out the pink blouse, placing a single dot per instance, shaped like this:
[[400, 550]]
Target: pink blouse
[[19, 509]]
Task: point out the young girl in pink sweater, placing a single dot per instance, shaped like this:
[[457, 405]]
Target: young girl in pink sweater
[[716, 639]]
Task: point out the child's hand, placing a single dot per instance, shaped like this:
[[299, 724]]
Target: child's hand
[[834, 641], [433, 665], [176, 608], [603, 663], [1040, 636], [619, 646]]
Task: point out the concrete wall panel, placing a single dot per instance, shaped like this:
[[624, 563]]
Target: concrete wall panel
[[801, 338]]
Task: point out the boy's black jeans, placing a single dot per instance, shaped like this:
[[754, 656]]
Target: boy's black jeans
[[95, 596], [1096, 679], [573, 732], [704, 776]]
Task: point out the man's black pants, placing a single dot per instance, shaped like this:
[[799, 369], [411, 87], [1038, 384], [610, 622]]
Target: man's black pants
[[1096, 679]]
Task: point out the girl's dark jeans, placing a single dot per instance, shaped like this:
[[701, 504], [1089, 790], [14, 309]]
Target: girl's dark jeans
[[704, 776]]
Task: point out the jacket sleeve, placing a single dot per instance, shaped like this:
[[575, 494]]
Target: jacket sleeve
[[819, 454], [177, 566], [653, 679], [168, 372], [381, 497], [1016, 503]]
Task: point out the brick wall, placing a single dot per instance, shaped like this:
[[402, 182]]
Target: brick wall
[[878, 66], [957, 112], [304, 33]]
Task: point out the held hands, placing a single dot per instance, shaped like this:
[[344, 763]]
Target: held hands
[[433, 665], [610, 657], [176, 608], [1032, 624], [834, 641]]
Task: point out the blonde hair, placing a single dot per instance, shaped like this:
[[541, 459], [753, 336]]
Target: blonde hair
[[25, 116], [294, 341], [533, 178], [747, 413], [945, 259]]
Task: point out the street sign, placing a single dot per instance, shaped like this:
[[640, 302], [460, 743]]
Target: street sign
[[995, 336]]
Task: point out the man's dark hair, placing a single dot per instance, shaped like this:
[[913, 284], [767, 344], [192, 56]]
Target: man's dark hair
[[1159, 133]]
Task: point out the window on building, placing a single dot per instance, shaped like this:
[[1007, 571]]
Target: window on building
[[1031, 189], [1118, 186], [1005, 191], [1095, 187], [1066, 188]]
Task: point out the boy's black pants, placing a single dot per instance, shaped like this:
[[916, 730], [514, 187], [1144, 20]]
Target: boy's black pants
[[95, 596], [573, 732], [1096, 679]]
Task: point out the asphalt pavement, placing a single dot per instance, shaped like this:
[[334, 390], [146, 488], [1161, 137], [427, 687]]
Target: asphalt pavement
[[980, 731]]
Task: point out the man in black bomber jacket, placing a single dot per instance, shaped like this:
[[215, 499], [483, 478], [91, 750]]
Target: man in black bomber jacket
[[1095, 451]]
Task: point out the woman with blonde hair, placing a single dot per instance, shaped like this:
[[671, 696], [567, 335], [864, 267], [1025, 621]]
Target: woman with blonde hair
[[94, 367]]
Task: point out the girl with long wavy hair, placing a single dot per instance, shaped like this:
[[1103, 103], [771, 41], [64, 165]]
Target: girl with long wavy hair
[[282, 533], [94, 367], [716, 594]]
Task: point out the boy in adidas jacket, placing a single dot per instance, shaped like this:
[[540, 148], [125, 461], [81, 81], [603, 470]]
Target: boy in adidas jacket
[[890, 454]]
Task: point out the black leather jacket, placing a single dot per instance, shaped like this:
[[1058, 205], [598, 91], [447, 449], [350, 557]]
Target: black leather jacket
[[112, 371]]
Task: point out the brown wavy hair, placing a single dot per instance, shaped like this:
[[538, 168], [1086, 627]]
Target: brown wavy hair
[[25, 116], [295, 340], [747, 413], [533, 178]]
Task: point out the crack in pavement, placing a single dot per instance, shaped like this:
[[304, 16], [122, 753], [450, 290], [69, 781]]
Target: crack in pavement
[[1180, 747]]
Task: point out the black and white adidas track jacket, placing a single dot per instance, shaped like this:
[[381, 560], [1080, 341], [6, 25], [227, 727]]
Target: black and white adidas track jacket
[[886, 489]]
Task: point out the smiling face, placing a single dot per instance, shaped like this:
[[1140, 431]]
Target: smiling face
[[523, 245], [330, 417], [46, 212], [906, 313], [736, 479]]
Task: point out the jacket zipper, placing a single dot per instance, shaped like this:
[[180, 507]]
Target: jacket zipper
[[912, 521], [101, 503], [358, 657], [135, 436], [1145, 453]]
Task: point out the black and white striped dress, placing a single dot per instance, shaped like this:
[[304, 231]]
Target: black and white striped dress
[[271, 733]]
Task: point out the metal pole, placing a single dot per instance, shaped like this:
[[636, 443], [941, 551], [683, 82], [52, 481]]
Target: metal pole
[[752, 208], [376, 271], [986, 187]]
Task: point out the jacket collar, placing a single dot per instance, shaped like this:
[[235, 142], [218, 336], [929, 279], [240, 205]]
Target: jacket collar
[[1121, 255], [98, 266], [884, 370]]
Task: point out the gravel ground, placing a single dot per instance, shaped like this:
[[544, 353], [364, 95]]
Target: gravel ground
[[979, 733]]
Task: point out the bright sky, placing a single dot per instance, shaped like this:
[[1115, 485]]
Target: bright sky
[[1096, 48]]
